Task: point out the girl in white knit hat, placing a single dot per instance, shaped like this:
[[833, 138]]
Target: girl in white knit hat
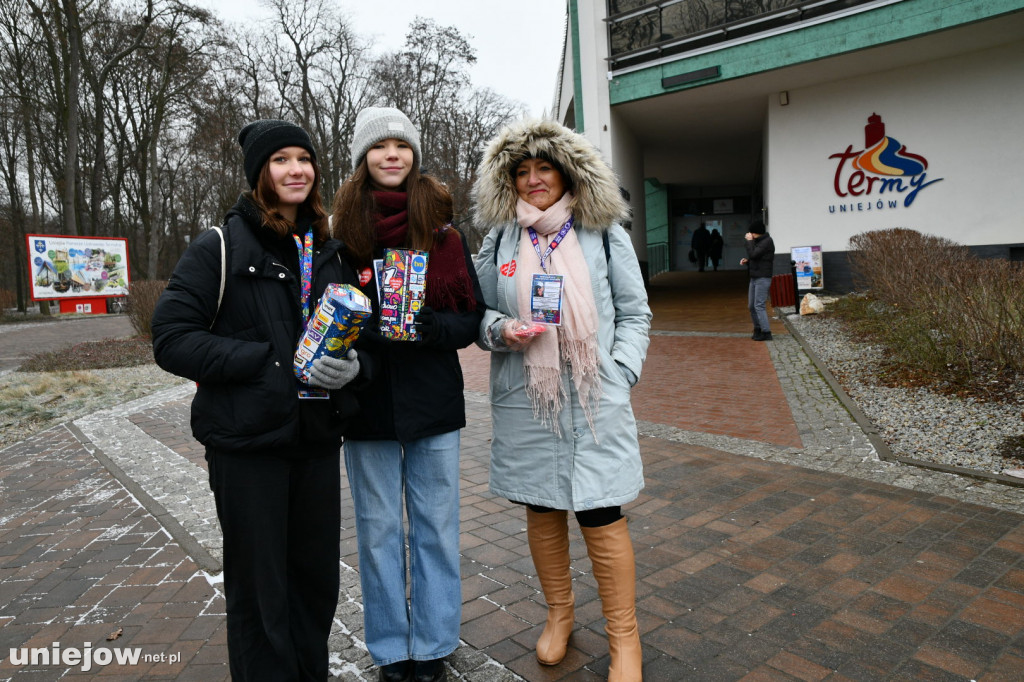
[[405, 442]]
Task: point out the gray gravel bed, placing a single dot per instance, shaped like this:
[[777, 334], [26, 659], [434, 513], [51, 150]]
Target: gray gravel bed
[[915, 422]]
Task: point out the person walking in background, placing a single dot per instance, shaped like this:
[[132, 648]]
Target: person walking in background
[[759, 261], [565, 438], [700, 242], [715, 248], [230, 319], [405, 442]]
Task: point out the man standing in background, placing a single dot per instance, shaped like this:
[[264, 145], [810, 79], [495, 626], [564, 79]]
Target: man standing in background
[[759, 261]]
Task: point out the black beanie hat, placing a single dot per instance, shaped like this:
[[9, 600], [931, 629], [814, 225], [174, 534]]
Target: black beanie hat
[[757, 227], [260, 139]]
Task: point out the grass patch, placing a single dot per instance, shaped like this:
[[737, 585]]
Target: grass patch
[[55, 387], [31, 402], [43, 397]]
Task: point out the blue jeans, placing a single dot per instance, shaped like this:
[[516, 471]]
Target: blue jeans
[[426, 625], [757, 298]]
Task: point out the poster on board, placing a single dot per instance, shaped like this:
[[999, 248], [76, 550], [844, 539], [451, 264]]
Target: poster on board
[[809, 273], [77, 267]]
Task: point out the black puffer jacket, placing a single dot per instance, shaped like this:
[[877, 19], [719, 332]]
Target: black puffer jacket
[[241, 356], [418, 388], [760, 256]]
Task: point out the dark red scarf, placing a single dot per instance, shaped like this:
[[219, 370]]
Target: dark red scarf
[[449, 286]]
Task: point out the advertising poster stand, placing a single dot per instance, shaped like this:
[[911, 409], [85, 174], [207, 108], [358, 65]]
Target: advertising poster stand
[[80, 273], [807, 268]]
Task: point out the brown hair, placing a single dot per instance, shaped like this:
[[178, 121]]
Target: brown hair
[[355, 213], [266, 201]]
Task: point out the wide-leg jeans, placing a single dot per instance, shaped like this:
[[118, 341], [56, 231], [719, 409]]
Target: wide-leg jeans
[[425, 474]]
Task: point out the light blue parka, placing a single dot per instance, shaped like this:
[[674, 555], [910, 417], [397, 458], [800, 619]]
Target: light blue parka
[[574, 469]]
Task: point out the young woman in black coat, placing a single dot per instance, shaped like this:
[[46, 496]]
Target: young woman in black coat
[[230, 319]]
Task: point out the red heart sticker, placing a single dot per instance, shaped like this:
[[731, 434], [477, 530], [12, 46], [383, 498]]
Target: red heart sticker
[[508, 269], [364, 276]]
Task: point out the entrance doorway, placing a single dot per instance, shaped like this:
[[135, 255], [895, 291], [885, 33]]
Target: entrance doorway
[[725, 209]]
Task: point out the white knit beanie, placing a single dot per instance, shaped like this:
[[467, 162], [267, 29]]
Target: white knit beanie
[[374, 124]]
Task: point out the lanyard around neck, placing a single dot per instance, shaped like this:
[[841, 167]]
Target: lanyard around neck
[[306, 271], [552, 246]]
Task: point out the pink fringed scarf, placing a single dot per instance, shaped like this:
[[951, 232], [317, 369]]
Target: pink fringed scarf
[[575, 343]]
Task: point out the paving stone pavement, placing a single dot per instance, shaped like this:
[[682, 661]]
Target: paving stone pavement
[[773, 547]]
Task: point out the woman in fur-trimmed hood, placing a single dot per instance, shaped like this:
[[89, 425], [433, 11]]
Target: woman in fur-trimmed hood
[[597, 201], [568, 324]]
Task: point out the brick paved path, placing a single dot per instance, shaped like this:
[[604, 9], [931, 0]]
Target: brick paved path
[[82, 560], [774, 548]]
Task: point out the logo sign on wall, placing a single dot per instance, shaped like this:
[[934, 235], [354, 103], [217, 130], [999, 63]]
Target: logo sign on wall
[[883, 175]]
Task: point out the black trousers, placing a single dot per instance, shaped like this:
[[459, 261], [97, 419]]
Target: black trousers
[[281, 519], [702, 258], [588, 518]]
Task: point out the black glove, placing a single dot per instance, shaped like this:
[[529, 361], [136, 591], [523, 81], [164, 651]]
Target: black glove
[[427, 325]]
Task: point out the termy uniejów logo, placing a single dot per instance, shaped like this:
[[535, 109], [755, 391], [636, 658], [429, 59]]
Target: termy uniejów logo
[[870, 177]]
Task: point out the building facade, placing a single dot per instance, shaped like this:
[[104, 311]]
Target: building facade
[[825, 118]]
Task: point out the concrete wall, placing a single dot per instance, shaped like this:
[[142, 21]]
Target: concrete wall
[[628, 164], [962, 115]]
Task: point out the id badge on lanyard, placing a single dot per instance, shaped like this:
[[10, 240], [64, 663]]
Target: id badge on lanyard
[[546, 299], [546, 289]]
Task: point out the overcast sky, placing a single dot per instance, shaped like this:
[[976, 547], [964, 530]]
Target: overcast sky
[[518, 44]]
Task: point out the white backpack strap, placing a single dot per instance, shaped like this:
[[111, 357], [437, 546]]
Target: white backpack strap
[[223, 270]]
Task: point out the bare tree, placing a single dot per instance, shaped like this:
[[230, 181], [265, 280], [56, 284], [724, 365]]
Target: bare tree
[[427, 76], [19, 77], [115, 37], [461, 132], [152, 93], [247, 66], [120, 117], [60, 27], [320, 70], [429, 80]]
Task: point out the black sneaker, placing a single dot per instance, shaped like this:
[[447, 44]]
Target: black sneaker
[[757, 333], [396, 672], [764, 336], [430, 671]]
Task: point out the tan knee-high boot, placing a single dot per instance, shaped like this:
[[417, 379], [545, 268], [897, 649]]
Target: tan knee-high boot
[[611, 553], [548, 534]]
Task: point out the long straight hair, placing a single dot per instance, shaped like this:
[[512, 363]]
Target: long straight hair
[[355, 214], [266, 200]]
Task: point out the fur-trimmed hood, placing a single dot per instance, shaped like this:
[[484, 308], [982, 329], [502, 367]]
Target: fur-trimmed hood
[[597, 201]]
